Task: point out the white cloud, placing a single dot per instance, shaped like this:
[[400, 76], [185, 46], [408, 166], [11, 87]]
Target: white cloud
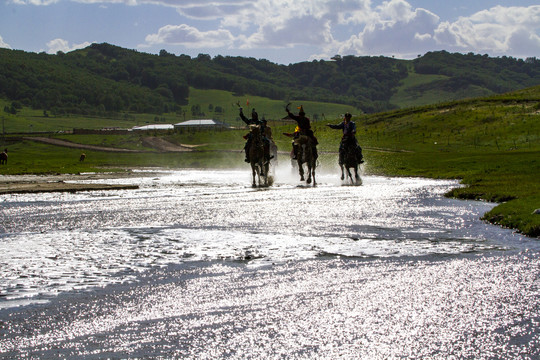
[[524, 43], [303, 31], [34, 2], [3, 44], [190, 37], [499, 30], [346, 27], [393, 28], [56, 45], [261, 23]]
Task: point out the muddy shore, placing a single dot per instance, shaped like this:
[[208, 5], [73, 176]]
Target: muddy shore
[[13, 184]]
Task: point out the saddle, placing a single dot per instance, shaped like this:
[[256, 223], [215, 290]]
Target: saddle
[[301, 140]]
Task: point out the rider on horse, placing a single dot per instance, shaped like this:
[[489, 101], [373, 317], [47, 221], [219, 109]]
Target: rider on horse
[[348, 138], [263, 128], [303, 128]]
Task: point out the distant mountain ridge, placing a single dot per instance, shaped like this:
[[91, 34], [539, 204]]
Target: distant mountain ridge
[[106, 78]]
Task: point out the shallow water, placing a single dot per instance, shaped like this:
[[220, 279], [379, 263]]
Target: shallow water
[[387, 269]]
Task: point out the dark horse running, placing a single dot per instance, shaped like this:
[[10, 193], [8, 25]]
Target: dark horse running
[[350, 153], [350, 160], [257, 159], [307, 153]]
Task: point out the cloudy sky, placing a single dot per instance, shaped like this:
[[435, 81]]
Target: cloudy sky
[[282, 31]]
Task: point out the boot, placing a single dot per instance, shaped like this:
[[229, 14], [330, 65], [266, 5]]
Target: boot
[[359, 156], [295, 152]]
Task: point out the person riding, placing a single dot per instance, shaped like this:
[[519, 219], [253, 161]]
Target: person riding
[[266, 130], [263, 129], [303, 128], [348, 138]]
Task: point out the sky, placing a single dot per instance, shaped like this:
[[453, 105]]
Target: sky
[[281, 31]]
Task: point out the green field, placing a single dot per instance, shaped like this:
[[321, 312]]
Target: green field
[[492, 144], [419, 89], [28, 120]]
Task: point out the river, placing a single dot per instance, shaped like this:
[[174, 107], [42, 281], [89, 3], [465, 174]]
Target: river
[[198, 264]]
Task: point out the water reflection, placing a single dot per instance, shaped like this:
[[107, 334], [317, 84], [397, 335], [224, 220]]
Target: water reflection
[[201, 266], [52, 243]]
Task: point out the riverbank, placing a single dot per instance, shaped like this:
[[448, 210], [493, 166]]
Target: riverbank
[[507, 178], [24, 184]]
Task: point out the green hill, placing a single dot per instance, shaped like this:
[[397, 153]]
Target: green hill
[[106, 79]]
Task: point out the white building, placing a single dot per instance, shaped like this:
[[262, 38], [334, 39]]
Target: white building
[[199, 123], [161, 127]]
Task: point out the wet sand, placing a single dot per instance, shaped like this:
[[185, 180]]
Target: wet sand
[[21, 184]]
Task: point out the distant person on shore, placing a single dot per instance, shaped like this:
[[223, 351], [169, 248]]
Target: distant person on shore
[[3, 157]]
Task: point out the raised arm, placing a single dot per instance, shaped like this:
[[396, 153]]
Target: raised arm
[[244, 118], [339, 126], [292, 116]]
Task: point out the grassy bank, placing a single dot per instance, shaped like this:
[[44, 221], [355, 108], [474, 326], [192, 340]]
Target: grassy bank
[[509, 178]]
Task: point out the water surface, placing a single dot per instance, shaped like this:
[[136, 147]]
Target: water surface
[[387, 269]]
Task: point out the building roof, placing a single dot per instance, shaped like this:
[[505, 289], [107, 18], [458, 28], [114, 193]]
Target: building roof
[[154, 127], [198, 122]]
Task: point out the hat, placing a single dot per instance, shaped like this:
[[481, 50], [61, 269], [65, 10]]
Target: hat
[[348, 115], [301, 112]]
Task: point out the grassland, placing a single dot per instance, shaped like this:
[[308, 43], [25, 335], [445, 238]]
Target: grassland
[[492, 144], [423, 89]]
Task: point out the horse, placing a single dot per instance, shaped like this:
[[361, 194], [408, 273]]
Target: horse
[[271, 153], [259, 163], [307, 153], [350, 160], [3, 157]]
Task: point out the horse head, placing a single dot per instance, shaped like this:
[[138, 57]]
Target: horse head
[[255, 129]]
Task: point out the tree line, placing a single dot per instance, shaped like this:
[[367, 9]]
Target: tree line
[[104, 78]]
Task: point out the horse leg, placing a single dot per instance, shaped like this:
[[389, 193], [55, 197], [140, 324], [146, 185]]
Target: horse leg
[[309, 174], [356, 176], [313, 173], [342, 171], [301, 170], [349, 175], [263, 173], [253, 174], [266, 172]]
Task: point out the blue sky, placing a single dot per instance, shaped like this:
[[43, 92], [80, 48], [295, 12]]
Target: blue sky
[[282, 31]]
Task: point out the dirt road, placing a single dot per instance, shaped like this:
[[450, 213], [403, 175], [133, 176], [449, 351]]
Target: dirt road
[[154, 142]]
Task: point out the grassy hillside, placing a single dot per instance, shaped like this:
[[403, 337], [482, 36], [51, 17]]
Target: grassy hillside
[[425, 89], [267, 108], [492, 144], [29, 120], [106, 80]]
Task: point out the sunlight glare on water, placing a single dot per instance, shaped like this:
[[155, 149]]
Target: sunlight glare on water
[[201, 265], [52, 242]]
